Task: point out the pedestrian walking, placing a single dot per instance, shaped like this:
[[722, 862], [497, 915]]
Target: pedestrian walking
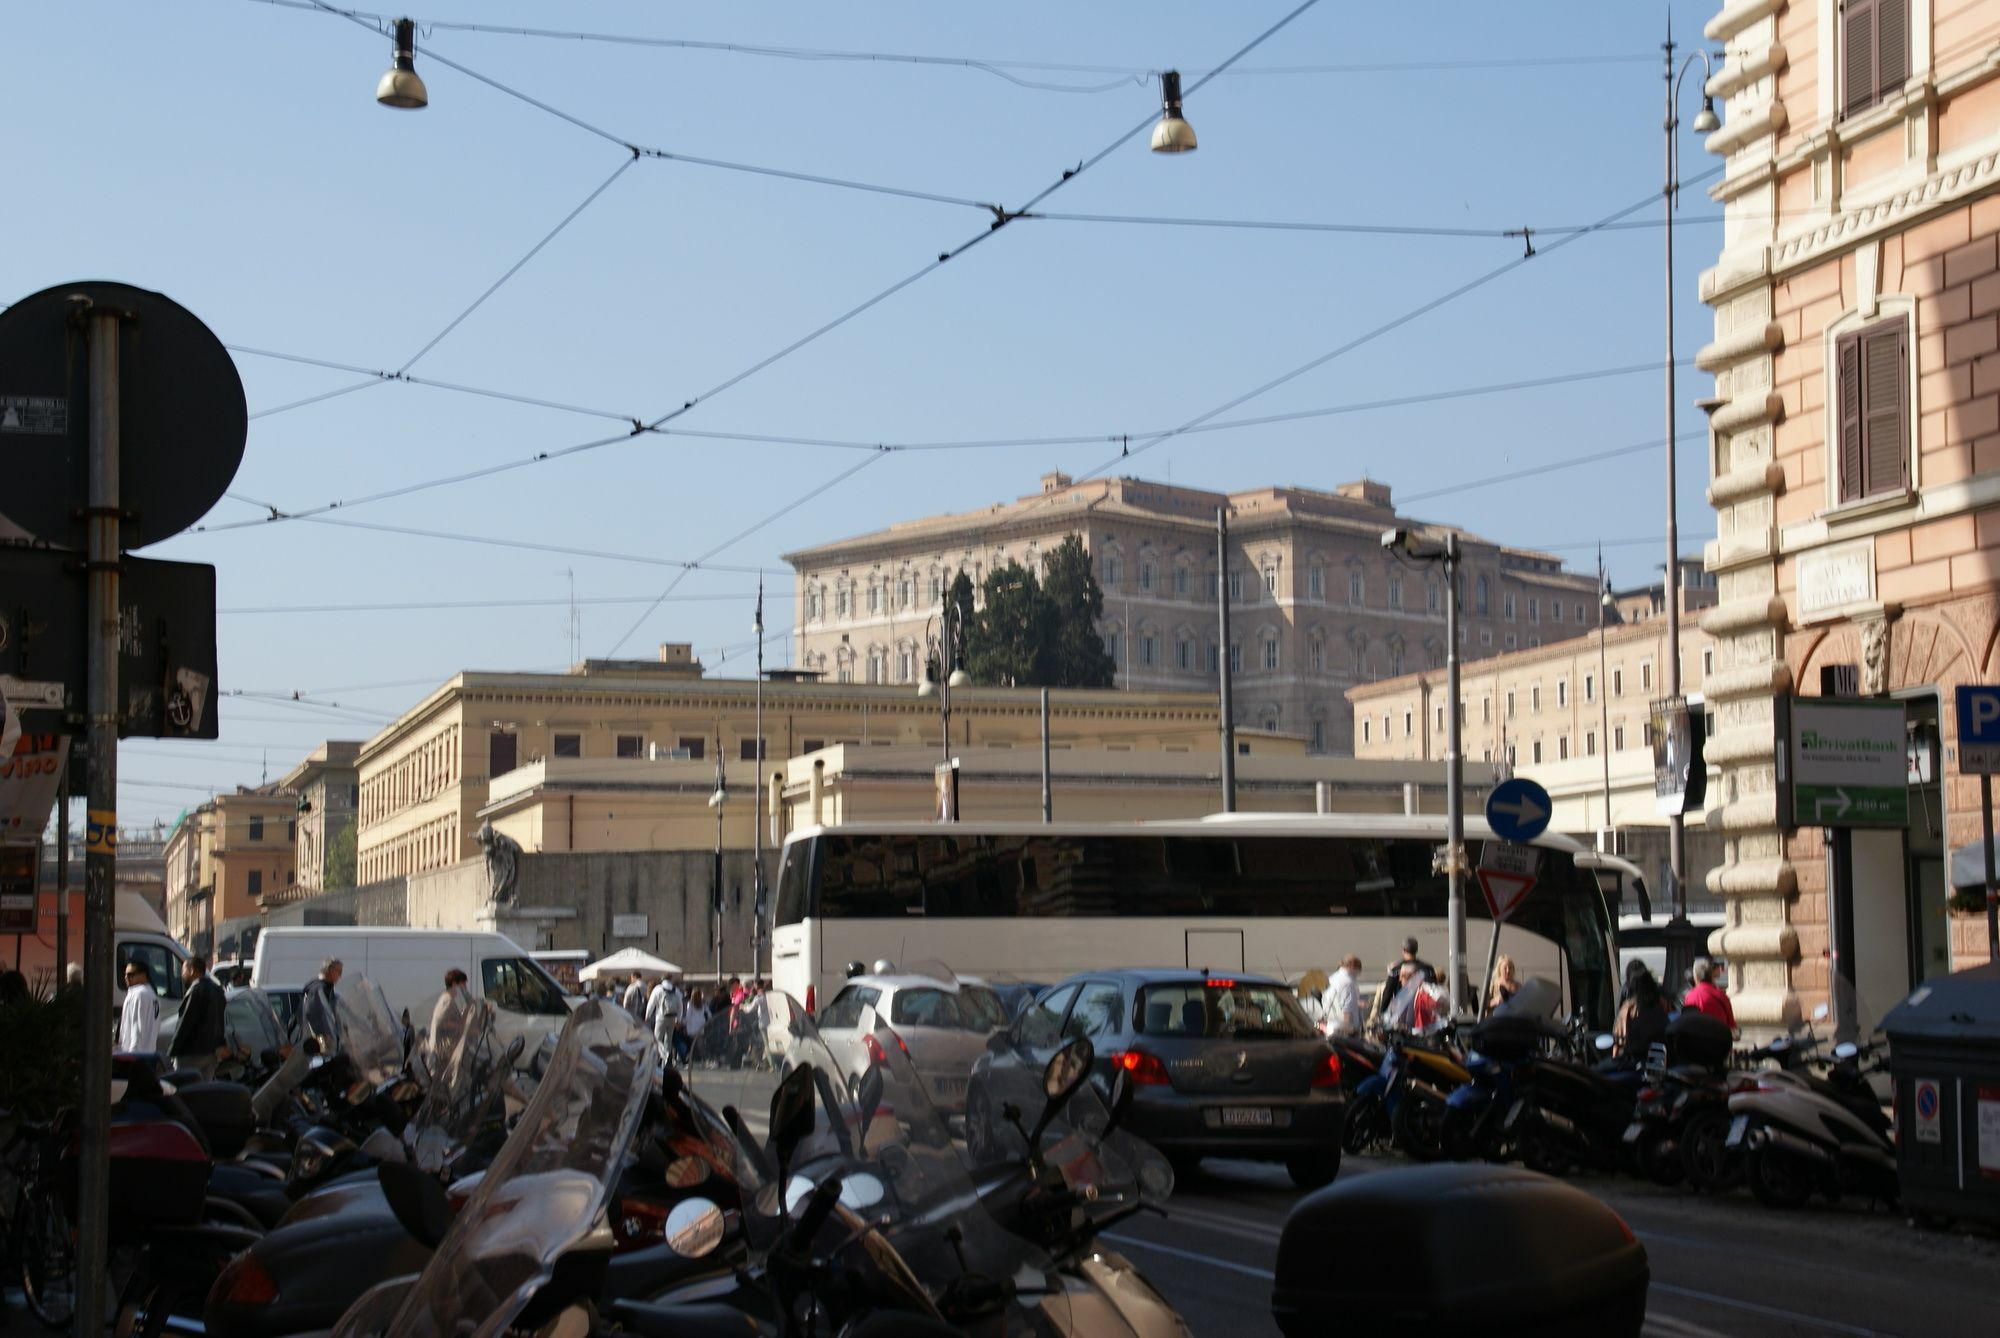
[[1642, 1018], [199, 1037], [693, 1023], [319, 1007], [139, 1018], [1708, 996], [664, 1007], [634, 1001], [1505, 983], [1343, 999]]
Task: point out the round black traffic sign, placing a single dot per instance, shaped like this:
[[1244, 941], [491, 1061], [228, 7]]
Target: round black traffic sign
[[182, 420]]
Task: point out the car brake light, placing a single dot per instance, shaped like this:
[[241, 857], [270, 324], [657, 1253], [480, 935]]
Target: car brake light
[[812, 998], [243, 1281], [876, 1054], [1327, 1073], [1219, 983], [1146, 1069], [1649, 1094]]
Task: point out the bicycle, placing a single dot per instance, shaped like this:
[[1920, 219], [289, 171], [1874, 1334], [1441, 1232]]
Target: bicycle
[[40, 1245]]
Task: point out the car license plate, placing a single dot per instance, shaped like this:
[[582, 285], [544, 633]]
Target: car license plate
[[1737, 1128], [953, 1087], [1634, 1130], [1251, 1116]]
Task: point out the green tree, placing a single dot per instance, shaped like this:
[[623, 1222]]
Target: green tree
[[1073, 654], [340, 859], [1003, 641]]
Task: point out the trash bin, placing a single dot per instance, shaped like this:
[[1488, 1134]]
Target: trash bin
[[1944, 1055]]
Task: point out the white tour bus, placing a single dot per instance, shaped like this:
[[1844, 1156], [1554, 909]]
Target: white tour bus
[[1274, 894]]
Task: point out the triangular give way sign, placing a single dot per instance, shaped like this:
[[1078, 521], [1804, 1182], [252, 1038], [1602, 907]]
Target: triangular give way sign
[[1504, 891]]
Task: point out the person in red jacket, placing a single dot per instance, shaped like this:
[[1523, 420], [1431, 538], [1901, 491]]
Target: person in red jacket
[[1707, 996]]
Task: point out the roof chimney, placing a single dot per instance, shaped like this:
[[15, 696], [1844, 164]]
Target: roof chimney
[[1054, 481], [1366, 491]]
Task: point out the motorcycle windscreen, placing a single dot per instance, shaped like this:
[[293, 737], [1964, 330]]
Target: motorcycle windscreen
[[370, 1035], [544, 1191]]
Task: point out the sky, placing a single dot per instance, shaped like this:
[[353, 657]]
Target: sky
[[230, 154]]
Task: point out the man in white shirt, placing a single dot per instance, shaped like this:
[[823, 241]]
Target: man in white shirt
[[1343, 999], [663, 1014], [139, 1022], [635, 995]]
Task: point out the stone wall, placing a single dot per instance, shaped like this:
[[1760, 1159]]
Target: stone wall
[[383, 903]]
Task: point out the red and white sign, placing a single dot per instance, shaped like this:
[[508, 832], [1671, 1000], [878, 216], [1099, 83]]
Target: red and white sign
[[1506, 876], [30, 775]]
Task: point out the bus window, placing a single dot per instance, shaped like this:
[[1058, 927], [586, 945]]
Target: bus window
[[863, 878], [795, 884]]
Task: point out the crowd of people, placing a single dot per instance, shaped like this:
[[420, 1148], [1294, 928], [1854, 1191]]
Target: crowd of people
[[694, 1026], [1410, 997]]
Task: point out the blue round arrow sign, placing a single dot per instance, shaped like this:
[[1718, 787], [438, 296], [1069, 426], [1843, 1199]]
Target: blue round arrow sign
[[1518, 810]]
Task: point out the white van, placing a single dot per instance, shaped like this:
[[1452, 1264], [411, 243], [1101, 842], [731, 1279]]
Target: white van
[[409, 965], [141, 936]]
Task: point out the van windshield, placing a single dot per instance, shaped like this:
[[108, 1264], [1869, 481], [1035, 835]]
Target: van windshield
[[518, 985]]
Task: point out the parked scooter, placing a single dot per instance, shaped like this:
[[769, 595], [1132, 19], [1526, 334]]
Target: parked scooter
[[1570, 1114], [1798, 1140]]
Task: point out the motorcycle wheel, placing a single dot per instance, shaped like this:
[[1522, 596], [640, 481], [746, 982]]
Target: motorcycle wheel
[[1705, 1154], [1362, 1130], [47, 1259], [1419, 1127], [1776, 1179], [1314, 1170], [1539, 1152], [1657, 1162]]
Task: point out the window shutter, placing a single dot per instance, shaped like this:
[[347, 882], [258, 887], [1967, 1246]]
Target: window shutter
[[1857, 55], [1892, 46], [1885, 428], [1849, 352]]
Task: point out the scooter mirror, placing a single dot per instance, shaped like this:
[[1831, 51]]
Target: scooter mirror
[[1846, 1050], [694, 1228], [861, 1190], [868, 1097], [792, 1114], [514, 1049], [418, 1201], [1067, 1068], [797, 1190], [1605, 1042]]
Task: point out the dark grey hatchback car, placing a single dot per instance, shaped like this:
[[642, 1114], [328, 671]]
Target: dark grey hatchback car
[[1221, 1066]]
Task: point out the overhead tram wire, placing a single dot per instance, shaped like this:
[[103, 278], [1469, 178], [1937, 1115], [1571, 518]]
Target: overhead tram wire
[[1000, 222], [529, 545], [1553, 466], [997, 67], [738, 537], [447, 605], [1378, 331], [1001, 219]]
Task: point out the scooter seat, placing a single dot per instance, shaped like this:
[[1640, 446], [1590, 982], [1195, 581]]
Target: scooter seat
[[252, 1190]]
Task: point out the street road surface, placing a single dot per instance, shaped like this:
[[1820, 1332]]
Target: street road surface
[[1727, 1266]]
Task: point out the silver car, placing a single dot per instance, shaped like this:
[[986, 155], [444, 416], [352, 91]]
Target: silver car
[[942, 1023]]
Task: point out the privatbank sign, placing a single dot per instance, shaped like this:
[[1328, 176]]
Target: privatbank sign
[[1842, 763]]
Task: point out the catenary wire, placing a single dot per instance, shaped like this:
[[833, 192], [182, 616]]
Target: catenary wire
[[1552, 466], [1377, 332], [1068, 175], [997, 67], [999, 223], [528, 545], [581, 601]]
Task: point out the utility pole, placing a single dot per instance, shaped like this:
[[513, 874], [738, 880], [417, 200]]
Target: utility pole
[[1048, 798], [1454, 784], [1222, 659], [100, 851], [716, 801], [1604, 687]]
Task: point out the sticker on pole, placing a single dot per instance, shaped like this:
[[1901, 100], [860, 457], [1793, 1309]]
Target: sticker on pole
[[1506, 876], [1930, 1129]]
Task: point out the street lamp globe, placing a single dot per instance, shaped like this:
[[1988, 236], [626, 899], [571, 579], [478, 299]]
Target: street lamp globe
[[959, 678], [402, 87], [927, 688], [1705, 121], [1173, 134]]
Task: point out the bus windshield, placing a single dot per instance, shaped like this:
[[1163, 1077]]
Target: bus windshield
[[1221, 879]]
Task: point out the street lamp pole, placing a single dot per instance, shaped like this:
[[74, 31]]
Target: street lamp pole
[[716, 801], [1406, 544], [948, 677], [1603, 685], [758, 800], [1680, 932], [1222, 660]]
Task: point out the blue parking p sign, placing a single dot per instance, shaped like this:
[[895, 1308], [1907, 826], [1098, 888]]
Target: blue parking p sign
[[1979, 730]]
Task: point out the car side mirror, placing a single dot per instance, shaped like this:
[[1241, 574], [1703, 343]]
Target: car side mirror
[[997, 1043], [418, 1201]]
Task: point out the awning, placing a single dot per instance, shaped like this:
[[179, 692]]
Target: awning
[[627, 961]]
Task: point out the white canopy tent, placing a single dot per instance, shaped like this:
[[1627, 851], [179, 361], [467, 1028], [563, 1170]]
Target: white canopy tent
[[625, 962]]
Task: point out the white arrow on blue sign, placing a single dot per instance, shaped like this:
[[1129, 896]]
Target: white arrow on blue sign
[[1518, 810]]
